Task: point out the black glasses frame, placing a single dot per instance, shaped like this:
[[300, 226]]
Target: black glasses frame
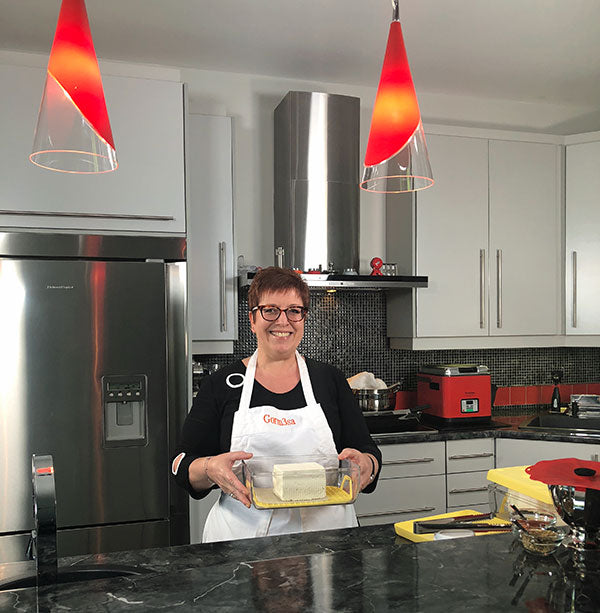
[[304, 312]]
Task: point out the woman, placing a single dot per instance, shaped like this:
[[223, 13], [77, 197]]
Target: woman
[[274, 403]]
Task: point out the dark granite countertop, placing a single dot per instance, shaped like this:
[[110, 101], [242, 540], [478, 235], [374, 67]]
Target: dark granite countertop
[[359, 569], [450, 434]]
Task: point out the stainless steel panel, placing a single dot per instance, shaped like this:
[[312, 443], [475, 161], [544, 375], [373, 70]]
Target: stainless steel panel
[[119, 537], [177, 352], [38, 244], [13, 548], [63, 326], [324, 225], [80, 541], [316, 179]]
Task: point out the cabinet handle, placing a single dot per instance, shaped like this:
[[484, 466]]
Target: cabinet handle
[[409, 461], [468, 490], [222, 277], [467, 456], [92, 215], [499, 288], [482, 288], [574, 315], [397, 512]]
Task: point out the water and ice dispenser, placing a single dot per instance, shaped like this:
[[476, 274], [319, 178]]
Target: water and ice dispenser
[[124, 399]]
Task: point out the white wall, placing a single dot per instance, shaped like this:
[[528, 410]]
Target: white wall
[[250, 101]]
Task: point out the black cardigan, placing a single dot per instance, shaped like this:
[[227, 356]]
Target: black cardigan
[[207, 428]]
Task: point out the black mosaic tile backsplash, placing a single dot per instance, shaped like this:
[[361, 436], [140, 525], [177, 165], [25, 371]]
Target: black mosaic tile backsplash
[[348, 330]]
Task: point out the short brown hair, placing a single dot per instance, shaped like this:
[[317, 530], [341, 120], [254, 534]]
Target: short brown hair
[[275, 279]]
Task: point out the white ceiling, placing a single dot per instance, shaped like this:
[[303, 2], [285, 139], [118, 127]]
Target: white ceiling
[[526, 50]]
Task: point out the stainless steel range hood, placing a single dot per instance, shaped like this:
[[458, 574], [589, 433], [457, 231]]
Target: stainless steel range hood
[[352, 282], [316, 194]]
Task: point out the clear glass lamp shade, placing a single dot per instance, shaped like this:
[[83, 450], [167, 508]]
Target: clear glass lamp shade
[[65, 140], [406, 171]]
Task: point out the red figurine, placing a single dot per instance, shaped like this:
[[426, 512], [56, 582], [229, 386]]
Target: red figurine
[[376, 264]]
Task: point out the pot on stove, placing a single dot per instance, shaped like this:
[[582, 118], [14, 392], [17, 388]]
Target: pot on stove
[[377, 399]]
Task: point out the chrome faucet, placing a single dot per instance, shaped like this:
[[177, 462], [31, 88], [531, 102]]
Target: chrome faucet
[[43, 535]]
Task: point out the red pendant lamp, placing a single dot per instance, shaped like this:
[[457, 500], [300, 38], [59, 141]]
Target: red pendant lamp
[[396, 159], [73, 131]]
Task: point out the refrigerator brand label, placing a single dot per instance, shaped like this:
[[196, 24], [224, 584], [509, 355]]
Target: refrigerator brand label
[[60, 287]]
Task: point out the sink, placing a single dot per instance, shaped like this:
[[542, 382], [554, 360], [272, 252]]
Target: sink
[[75, 574], [557, 422]]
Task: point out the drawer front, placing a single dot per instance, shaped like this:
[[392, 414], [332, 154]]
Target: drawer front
[[413, 460], [467, 489], [397, 500], [469, 455]]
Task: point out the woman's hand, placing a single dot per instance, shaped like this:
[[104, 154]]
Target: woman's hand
[[217, 470], [368, 464]]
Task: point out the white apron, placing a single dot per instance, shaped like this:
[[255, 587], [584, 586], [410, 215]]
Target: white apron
[[256, 432]]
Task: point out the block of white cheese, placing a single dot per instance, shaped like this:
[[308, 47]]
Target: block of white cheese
[[297, 482]]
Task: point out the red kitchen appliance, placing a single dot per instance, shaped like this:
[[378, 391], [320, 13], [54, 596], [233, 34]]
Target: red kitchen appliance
[[455, 393]]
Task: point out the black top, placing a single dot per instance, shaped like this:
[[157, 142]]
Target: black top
[[207, 428]]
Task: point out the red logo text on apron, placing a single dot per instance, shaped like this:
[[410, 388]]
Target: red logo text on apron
[[278, 422]]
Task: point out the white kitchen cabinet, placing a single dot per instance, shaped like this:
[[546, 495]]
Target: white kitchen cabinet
[[211, 267], [146, 194], [467, 490], [520, 452], [467, 465], [411, 484], [398, 499], [488, 236], [525, 239], [582, 238]]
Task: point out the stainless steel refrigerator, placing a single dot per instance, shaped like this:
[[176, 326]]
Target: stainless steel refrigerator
[[93, 371]]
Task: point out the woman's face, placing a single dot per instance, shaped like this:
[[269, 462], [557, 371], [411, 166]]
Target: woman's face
[[278, 339]]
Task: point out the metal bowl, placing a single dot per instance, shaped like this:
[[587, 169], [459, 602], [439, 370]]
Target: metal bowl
[[581, 511], [377, 400]]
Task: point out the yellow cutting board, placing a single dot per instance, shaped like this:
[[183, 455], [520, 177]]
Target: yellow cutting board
[[405, 528]]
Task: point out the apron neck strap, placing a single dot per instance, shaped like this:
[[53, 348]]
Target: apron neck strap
[[307, 389]]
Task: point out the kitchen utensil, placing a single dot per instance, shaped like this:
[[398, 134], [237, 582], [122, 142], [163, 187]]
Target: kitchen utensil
[[342, 479], [426, 527], [377, 400], [405, 528], [455, 392], [576, 496]]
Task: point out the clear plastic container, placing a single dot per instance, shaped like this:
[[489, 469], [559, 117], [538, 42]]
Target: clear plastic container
[[501, 498], [342, 481]]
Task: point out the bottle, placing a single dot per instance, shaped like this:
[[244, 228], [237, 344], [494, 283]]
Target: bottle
[[555, 405]]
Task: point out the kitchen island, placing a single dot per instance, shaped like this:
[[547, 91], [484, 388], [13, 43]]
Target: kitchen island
[[358, 569]]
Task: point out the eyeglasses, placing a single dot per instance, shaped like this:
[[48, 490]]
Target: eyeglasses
[[272, 313]]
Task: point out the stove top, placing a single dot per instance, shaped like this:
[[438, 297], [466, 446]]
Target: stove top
[[393, 422], [386, 422]]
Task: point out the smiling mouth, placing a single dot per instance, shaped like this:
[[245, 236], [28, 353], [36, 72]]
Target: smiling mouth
[[280, 334]]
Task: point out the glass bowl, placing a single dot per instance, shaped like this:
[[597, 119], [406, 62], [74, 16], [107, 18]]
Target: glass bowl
[[539, 533]]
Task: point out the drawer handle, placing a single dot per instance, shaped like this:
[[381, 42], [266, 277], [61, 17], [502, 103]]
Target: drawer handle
[[468, 490], [409, 461], [468, 456], [92, 215], [397, 512]]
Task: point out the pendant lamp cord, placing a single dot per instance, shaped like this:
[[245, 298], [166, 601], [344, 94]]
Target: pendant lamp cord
[[396, 10]]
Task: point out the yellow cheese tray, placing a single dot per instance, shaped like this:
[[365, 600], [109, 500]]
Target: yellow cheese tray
[[342, 481], [405, 528]]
